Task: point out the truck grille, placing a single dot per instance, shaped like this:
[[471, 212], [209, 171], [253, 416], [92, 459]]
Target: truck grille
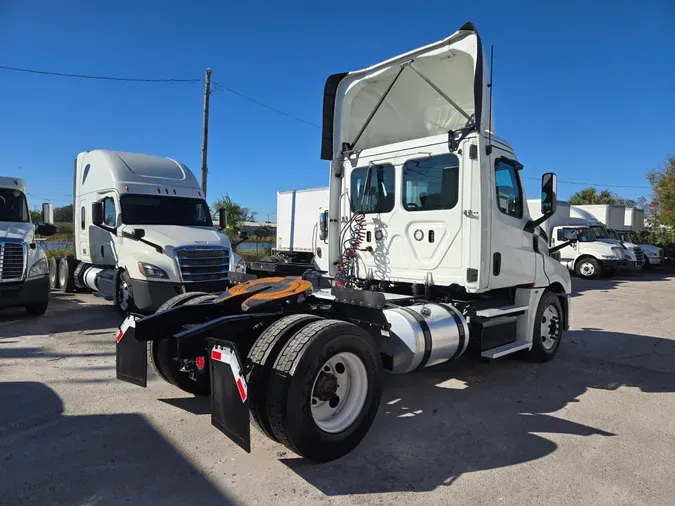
[[203, 263], [639, 255], [12, 258]]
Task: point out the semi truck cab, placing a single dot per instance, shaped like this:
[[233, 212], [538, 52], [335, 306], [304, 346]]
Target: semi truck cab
[[23, 262], [143, 232]]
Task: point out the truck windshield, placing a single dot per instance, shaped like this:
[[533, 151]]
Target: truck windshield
[[160, 210], [586, 235], [601, 232], [13, 206]]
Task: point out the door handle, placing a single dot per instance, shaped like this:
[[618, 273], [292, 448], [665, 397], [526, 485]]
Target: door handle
[[470, 214]]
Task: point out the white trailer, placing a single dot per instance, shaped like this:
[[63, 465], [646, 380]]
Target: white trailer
[[142, 232], [23, 262], [425, 265], [634, 219], [298, 213]]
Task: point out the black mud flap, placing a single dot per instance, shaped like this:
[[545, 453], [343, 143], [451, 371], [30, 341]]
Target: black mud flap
[[229, 393], [131, 355]]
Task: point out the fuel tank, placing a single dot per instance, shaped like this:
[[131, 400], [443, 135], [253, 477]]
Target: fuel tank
[[423, 335]]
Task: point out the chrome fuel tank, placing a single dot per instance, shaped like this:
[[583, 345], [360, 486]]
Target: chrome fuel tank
[[423, 335]]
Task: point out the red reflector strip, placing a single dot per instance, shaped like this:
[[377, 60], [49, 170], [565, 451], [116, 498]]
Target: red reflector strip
[[119, 337], [241, 386], [216, 355]]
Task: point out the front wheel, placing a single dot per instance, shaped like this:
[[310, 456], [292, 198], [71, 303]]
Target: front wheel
[[325, 390], [123, 297], [548, 328], [587, 268]]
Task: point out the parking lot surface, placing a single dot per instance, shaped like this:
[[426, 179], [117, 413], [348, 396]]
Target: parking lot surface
[[594, 426]]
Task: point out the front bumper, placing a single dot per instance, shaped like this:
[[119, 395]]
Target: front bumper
[[149, 295], [24, 293], [632, 266], [654, 260]]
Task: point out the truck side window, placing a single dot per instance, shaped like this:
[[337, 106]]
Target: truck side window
[[379, 196], [509, 193], [82, 218], [109, 213], [431, 183]]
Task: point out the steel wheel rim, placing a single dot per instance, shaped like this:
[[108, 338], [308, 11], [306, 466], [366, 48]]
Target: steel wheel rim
[[123, 295], [339, 392], [63, 275], [587, 269], [550, 326]]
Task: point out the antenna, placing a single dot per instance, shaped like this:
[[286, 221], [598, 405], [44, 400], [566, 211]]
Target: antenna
[[492, 68]]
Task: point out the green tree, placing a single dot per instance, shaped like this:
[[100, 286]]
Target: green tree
[[36, 215], [236, 214], [662, 181], [591, 195], [63, 214]]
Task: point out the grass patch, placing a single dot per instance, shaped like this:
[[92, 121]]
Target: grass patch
[[253, 255], [58, 252]]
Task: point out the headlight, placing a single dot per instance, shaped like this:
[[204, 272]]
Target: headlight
[[40, 268], [241, 266], [151, 271], [618, 252]]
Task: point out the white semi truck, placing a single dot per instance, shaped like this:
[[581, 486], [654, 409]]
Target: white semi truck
[[634, 221], [23, 263], [142, 232], [588, 257], [425, 264], [604, 220]]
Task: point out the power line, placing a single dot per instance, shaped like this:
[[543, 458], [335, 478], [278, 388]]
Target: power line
[[594, 184], [100, 78], [261, 104]]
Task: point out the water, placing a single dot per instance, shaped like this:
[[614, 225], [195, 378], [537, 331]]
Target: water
[[245, 246]]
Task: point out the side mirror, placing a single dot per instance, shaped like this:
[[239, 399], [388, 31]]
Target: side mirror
[[46, 229], [222, 218], [549, 193], [47, 214], [97, 213], [138, 233], [323, 226], [243, 235]]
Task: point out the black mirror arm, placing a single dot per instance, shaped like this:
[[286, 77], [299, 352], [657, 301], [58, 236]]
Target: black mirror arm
[[157, 247], [561, 246], [532, 224]]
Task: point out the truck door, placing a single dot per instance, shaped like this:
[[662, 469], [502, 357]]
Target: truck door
[[513, 256], [102, 237]]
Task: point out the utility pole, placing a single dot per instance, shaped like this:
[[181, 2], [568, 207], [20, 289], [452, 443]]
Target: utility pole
[[205, 130]]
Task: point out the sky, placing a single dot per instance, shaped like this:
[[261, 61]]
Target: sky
[[583, 89]]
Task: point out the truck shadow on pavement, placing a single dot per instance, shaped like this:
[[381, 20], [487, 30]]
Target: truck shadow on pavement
[[440, 423], [583, 285], [66, 313], [49, 458]]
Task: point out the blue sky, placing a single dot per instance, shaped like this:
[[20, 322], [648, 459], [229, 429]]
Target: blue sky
[[582, 89]]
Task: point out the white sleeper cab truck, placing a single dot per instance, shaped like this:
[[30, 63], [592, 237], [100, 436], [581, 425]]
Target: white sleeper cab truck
[[143, 232], [432, 255], [23, 263], [634, 221], [586, 256], [604, 219]]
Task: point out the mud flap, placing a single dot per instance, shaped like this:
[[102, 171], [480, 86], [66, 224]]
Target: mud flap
[[131, 355], [229, 394]]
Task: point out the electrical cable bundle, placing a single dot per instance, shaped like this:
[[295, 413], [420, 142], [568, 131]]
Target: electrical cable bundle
[[345, 275]]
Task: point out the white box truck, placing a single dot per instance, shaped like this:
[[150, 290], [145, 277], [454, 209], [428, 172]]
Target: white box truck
[[425, 266], [588, 257], [142, 232], [23, 262], [635, 221], [599, 217]]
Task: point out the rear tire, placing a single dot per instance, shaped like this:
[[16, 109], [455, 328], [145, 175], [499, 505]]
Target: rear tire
[[176, 301], [261, 359], [170, 368], [322, 360], [587, 268], [38, 309], [548, 328], [276, 259], [54, 272], [66, 274]]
